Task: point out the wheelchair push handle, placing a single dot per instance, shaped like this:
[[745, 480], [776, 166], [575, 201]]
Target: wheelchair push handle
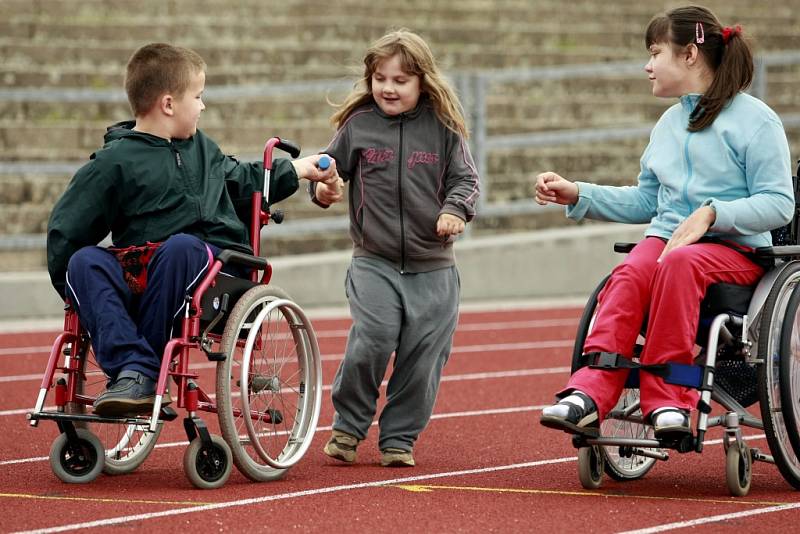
[[282, 144], [275, 142]]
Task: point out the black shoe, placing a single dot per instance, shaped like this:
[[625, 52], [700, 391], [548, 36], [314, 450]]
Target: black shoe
[[671, 431], [132, 393], [578, 420]]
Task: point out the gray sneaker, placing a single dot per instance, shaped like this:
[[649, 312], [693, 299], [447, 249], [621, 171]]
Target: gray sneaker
[[392, 457], [342, 446], [132, 393]]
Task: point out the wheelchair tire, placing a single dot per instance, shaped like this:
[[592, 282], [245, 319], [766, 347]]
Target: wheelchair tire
[[585, 324], [738, 470], [590, 466], [790, 369], [774, 329], [77, 462], [207, 466], [273, 372], [126, 446], [618, 464]]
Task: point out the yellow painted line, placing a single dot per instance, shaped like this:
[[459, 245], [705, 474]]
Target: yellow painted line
[[95, 499], [426, 488]]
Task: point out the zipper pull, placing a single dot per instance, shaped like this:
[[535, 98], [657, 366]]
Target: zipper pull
[[178, 159]]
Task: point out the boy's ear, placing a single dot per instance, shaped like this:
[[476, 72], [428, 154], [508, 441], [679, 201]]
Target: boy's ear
[[166, 104]]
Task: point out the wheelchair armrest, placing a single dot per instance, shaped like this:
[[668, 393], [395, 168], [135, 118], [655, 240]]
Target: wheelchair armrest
[[778, 252], [239, 258], [623, 247]]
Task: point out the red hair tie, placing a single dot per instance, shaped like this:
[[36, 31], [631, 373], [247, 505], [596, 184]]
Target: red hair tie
[[728, 32]]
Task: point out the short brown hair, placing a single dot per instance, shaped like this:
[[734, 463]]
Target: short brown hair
[[156, 69]]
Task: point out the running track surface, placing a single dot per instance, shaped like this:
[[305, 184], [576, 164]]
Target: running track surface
[[483, 464]]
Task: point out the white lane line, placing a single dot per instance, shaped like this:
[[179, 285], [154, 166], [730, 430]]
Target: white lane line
[[463, 349], [379, 483], [445, 378], [449, 415], [473, 413], [296, 494], [322, 334], [21, 351], [713, 519], [481, 327]]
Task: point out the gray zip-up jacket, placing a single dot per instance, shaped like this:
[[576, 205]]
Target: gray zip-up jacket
[[404, 171]]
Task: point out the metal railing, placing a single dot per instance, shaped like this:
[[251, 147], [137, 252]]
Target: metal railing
[[473, 88]]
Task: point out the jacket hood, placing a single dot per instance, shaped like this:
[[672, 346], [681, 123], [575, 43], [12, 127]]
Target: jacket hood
[[125, 129]]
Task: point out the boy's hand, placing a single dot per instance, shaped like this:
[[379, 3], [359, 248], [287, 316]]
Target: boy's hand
[[307, 168], [551, 187], [329, 192], [447, 225]]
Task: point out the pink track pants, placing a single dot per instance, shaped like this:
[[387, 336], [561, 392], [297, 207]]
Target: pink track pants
[[669, 294]]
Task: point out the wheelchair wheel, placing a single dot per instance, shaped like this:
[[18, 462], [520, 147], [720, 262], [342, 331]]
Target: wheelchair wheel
[[585, 324], [620, 464], [778, 375], [590, 466], [790, 368], [126, 445], [207, 466], [79, 461], [269, 388], [738, 470]]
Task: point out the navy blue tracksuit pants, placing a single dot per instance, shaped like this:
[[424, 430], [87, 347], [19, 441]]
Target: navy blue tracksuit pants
[[130, 333]]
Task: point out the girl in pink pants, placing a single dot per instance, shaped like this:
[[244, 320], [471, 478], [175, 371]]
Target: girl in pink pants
[[717, 166]]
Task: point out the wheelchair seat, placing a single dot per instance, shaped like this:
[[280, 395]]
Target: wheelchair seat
[[726, 298]]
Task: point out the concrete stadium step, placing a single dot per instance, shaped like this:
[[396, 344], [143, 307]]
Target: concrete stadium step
[[254, 10], [69, 141]]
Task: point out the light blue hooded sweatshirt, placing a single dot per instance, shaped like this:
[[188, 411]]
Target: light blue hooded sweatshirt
[[739, 165]]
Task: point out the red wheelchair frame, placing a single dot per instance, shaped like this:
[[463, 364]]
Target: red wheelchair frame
[[271, 387]]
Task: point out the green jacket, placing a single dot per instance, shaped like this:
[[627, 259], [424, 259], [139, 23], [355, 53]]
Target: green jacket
[[144, 188]]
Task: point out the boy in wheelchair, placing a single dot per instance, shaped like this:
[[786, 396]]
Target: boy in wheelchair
[[715, 179], [169, 197]]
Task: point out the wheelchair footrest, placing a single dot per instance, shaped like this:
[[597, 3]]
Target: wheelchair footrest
[[91, 418], [167, 414], [215, 356]]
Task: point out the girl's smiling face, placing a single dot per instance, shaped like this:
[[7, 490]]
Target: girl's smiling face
[[667, 71], [394, 90]]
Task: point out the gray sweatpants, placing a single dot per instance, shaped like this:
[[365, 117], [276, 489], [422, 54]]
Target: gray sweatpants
[[412, 315]]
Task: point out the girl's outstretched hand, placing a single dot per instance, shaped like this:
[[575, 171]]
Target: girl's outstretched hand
[[691, 229], [551, 187], [447, 225]]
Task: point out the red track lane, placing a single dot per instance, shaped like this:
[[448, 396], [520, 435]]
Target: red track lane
[[484, 464]]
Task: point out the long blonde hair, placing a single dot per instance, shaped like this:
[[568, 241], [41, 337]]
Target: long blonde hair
[[416, 58]]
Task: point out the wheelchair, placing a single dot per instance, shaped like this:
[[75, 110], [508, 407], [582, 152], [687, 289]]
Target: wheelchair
[[268, 387], [749, 351]]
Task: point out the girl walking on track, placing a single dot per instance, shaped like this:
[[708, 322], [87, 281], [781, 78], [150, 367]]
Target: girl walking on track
[[401, 145], [715, 179]]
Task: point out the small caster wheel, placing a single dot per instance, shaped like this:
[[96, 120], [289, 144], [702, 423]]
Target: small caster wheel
[[590, 467], [79, 461], [208, 466], [738, 470]]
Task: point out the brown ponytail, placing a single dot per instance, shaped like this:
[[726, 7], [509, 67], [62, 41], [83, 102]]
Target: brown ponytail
[[725, 50]]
